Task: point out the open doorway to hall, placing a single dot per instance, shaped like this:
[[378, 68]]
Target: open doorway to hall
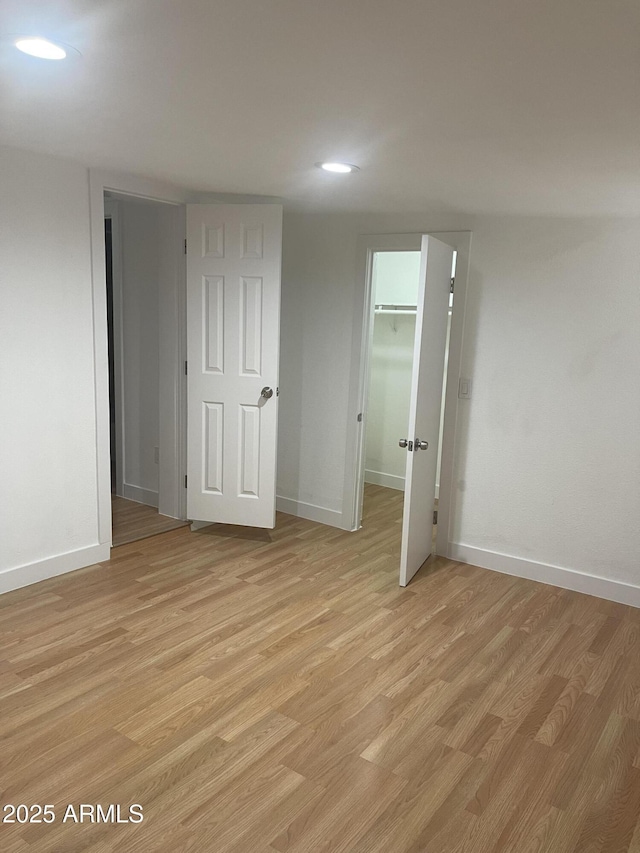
[[395, 278], [135, 231]]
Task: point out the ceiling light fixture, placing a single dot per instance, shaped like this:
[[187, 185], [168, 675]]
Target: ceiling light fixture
[[42, 48], [339, 168]]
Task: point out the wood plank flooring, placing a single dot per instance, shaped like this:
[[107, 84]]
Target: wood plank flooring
[[263, 692], [133, 521]]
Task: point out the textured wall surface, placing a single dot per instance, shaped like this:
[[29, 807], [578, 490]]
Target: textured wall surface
[[548, 450], [548, 457]]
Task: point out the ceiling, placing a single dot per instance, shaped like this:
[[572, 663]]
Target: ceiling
[[491, 106]]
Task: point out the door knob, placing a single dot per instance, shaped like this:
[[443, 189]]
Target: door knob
[[421, 445], [402, 442], [267, 392]]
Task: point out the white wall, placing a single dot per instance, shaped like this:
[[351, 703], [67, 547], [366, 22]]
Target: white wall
[[48, 517], [141, 241], [548, 457], [548, 449], [395, 277], [548, 470], [387, 415], [318, 271]]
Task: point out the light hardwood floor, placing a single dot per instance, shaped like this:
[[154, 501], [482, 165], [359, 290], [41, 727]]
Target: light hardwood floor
[[132, 521], [277, 691]]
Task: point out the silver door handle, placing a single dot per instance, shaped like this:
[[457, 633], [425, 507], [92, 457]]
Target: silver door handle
[[420, 445], [267, 392], [403, 442]]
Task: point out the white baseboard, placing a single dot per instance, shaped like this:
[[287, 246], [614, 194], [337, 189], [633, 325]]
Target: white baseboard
[[390, 481], [140, 495], [33, 572], [612, 590], [311, 512]]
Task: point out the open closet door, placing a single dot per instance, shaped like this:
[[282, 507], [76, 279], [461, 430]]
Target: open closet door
[[233, 341], [424, 411]]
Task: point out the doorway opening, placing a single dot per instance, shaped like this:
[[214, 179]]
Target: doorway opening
[[395, 278], [426, 416], [139, 269]]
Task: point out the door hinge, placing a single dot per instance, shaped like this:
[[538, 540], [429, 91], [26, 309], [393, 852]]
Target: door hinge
[[186, 368], [185, 481], [453, 281], [185, 247], [435, 516], [359, 417]]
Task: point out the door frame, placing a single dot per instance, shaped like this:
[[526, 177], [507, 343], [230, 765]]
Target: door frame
[[368, 245], [112, 212], [172, 350]]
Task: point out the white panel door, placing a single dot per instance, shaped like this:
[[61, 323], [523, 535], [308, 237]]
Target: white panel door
[[233, 341], [424, 411]]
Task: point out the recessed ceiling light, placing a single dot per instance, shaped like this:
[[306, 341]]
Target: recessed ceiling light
[[42, 48], [340, 168]]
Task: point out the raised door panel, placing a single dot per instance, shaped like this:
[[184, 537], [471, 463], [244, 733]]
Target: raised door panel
[[251, 325], [213, 322], [249, 475], [213, 431]]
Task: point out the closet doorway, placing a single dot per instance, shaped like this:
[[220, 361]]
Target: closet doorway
[[395, 279]]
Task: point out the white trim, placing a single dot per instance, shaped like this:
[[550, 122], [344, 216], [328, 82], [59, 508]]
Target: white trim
[[612, 590], [127, 184], [311, 512], [172, 389], [112, 212], [101, 358], [379, 478], [358, 381], [140, 495], [20, 576], [233, 198], [99, 183]]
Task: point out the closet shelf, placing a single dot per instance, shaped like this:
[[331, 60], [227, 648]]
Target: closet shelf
[[395, 309]]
